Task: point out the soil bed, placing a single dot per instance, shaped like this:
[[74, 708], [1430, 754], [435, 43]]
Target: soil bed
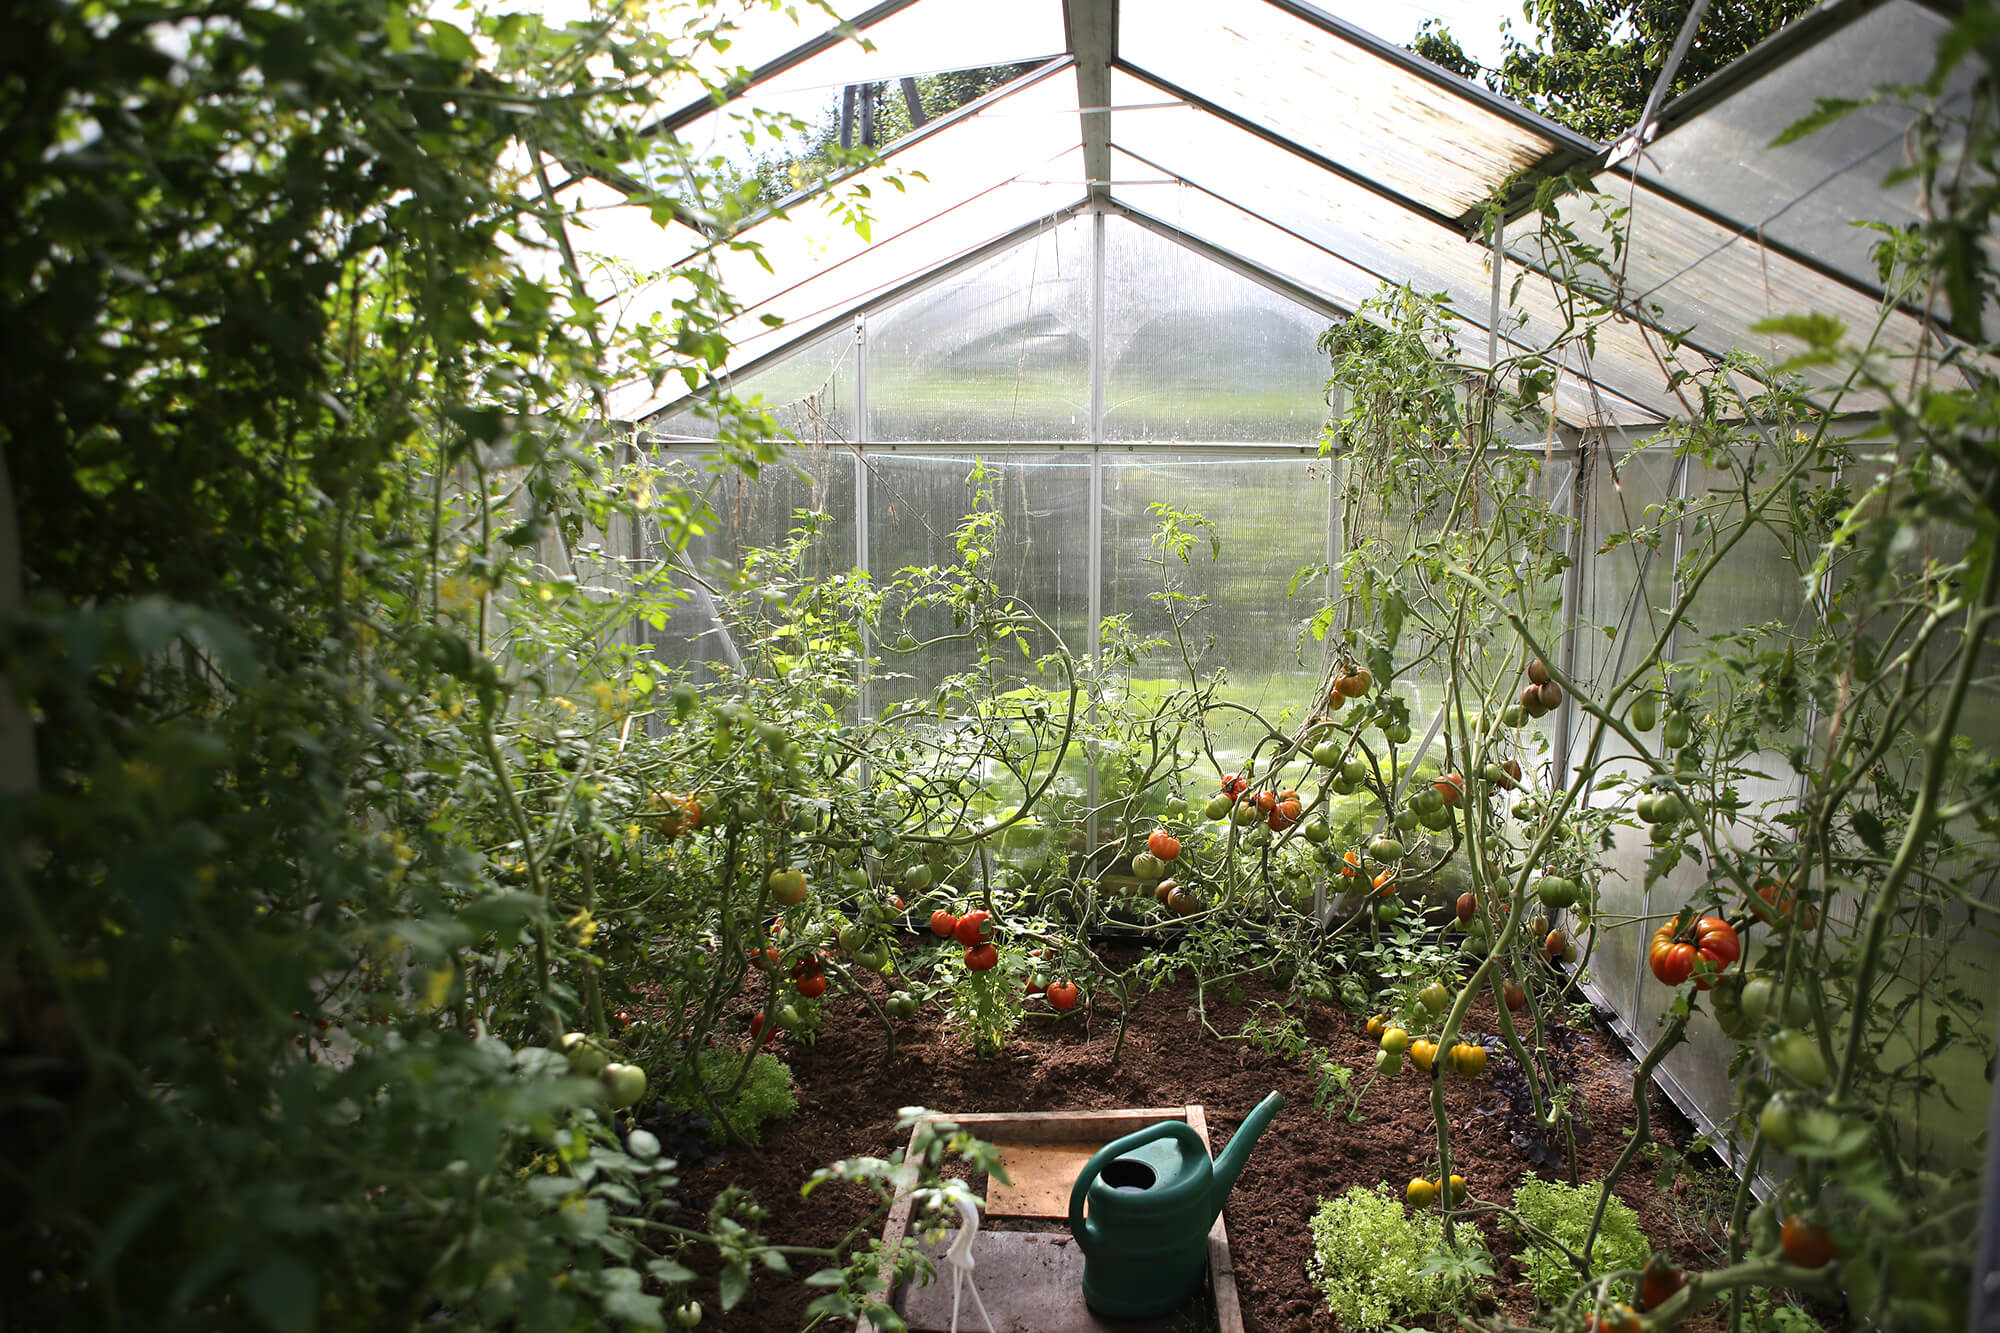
[[849, 1098]]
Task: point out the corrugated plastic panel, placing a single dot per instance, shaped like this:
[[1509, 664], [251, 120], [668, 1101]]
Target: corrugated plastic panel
[[1359, 225], [926, 38], [1429, 143], [1307, 264], [1810, 194], [1714, 283]]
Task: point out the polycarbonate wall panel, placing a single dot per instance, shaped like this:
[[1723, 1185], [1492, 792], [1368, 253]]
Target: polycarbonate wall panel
[[1714, 284], [1429, 143], [1309, 265], [916, 501], [1624, 583], [1272, 516], [927, 38], [810, 392], [1193, 351], [999, 353], [1757, 591], [928, 202], [751, 514], [1811, 192]]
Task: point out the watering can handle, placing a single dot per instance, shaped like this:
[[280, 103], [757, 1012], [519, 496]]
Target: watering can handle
[[1083, 1228]]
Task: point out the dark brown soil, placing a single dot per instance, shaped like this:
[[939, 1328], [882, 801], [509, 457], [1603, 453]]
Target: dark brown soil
[[849, 1096]]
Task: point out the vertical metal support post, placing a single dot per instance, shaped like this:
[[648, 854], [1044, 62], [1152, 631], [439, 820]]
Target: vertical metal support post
[[864, 703], [1096, 599], [915, 102], [847, 116], [1572, 611]]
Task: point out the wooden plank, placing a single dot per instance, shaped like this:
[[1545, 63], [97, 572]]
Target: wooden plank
[[1039, 1177]]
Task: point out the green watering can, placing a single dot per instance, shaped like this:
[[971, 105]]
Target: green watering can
[[1153, 1196]]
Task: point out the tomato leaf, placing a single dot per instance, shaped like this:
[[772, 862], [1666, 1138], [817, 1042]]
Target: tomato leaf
[[733, 1283]]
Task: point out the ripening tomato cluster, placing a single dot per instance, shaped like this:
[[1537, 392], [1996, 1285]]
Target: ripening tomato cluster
[[1702, 952]]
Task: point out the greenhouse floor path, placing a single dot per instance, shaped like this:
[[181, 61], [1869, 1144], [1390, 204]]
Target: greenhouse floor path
[[850, 1092]]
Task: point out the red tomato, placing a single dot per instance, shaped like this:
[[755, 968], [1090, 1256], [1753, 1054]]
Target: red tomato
[[1467, 906], [1672, 960], [1451, 786], [1063, 994], [760, 1031], [1715, 940], [807, 967], [1805, 1244], [1776, 905], [974, 927], [1163, 844], [981, 957], [1235, 785], [1267, 801], [813, 986], [943, 924], [1284, 814], [1658, 1284]]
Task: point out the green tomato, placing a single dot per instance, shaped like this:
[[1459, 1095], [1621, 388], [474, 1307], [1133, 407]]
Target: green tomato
[[1797, 1056], [1798, 1007], [917, 878], [1438, 820], [1407, 820], [1676, 731], [1513, 715], [1399, 734], [625, 1083], [1218, 807], [1435, 997], [1316, 831], [688, 1315], [1427, 801], [1387, 910], [1780, 1121], [1385, 851], [1756, 1000], [1327, 755], [1388, 1062], [1644, 713], [586, 1057], [1355, 771], [1176, 805]]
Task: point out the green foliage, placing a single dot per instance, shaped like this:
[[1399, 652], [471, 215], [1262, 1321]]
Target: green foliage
[[1375, 1263], [1562, 1213], [1591, 64], [744, 1100]]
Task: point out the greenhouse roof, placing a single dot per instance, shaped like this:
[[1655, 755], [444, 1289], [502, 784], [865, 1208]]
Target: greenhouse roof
[[1319, 160]]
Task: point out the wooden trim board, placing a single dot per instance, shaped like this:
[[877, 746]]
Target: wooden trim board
[[1080, 1127]]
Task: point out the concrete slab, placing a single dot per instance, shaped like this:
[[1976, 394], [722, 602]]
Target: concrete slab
[[1031, 1282]]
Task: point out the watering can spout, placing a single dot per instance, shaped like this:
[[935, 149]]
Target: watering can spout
[[1230, 1164]]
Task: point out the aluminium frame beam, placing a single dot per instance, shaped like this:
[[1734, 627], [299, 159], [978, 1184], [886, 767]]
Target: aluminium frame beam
[[1092, 26]]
